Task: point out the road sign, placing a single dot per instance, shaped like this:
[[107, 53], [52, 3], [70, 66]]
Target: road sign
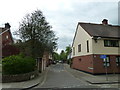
[[103, 56]]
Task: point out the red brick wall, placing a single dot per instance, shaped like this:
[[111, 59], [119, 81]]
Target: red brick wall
[[6, 41], [99, 67], [85, 62], [9, 50]]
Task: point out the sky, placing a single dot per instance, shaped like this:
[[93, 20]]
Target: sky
[[63, 15]]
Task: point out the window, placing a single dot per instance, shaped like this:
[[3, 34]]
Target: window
[[79, 48], [106, 62], [87, 46], [111, 43], [118, 60], [73, 50], [6, 36]]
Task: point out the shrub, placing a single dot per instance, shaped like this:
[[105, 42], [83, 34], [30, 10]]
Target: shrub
[[18, 65], [22, 55]]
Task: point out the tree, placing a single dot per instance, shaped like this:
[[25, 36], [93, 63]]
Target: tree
[[68, 50], [36, 34], [56, 56], [63, 55]]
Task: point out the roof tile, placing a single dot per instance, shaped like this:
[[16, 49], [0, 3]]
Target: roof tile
[[101, 30]]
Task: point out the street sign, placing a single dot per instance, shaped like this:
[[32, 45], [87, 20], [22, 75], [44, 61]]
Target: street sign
[[103, 56]]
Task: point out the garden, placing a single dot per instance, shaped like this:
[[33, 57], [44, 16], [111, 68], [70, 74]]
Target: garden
[[18, 68]]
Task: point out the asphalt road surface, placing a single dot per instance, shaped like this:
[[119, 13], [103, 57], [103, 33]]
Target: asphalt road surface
[[59, 77]]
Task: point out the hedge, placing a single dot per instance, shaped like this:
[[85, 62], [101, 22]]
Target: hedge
[[17, 65]]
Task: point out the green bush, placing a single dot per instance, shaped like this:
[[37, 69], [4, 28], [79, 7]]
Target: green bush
[[0, 61], [18, 65]]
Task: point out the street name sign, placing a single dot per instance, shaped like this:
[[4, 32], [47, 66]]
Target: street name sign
[[103, 56]]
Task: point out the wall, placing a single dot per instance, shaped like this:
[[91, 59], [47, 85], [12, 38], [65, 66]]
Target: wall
[[7, 41], [99, 67], [19, 77], [94, 64], [98, 48], [81, 38], [83, 63]]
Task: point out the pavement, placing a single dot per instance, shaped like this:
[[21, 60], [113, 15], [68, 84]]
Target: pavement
[[26, 84], [94, 79]]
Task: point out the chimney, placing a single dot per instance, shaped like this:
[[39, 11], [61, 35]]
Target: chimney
[[105, 22], [7, 25]]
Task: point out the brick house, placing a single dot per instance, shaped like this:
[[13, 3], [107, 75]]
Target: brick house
[[93, 40], [43, 62], [7, 41], [6, 35], [47, 58]]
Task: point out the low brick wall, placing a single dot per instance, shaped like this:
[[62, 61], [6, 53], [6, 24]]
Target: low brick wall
[[19, 77]]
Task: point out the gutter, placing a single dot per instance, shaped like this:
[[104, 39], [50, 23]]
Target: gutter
[[103, 37]]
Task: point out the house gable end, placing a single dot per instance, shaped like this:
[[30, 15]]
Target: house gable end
[[76, 33], [7, 37], [80, 39]]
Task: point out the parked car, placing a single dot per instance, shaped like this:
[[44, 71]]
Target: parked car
[[60, 61], [54, 62]]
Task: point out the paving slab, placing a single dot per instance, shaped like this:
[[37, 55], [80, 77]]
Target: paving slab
[[94, 79]]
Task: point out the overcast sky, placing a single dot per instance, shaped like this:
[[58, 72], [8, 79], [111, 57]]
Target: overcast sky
[[63, 15]]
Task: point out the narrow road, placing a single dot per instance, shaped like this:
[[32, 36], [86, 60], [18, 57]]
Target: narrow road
[[58, 77]]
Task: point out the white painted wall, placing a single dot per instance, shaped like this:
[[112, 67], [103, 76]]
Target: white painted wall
[[98, 48], [81, 38]]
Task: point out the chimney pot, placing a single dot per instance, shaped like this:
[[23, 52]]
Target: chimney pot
[[105, 22], [7, 25]]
